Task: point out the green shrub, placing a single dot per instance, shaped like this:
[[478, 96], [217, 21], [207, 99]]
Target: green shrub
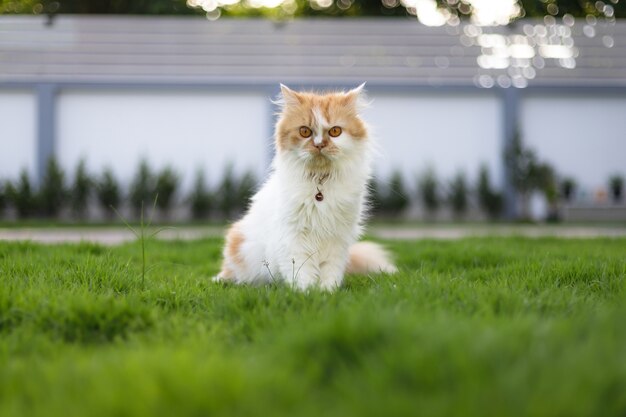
[[546, 183], [10, 194], [395, 199], [142, 188], [545, 180], [22, 197], [491, 202], [167, 183], [568, 189], [3, 199], [428, 190], [108, 192], [200, 199], [387, 201], [52, 193], [81, 190], [246, 189], [227, 193], [521, 163], [616, 185], [374, 197], [527, 174], [457, 196]]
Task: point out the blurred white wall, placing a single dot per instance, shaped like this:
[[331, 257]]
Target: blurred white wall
[[582, 137], [449, 132], [18, 130], [188, 130]]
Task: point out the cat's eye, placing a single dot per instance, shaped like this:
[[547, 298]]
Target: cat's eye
[[305, 132], [334, 131]]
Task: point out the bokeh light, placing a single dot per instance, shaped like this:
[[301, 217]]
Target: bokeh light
[[508, 57]]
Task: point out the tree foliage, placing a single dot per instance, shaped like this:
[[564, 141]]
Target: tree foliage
[[143, 7], [532, 8], [539, 8], [527, 174]]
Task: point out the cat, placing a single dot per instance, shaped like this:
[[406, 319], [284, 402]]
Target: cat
[[303, 224]]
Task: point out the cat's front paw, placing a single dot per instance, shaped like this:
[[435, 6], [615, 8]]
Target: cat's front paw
[[224, 276], [221, 280], [328, 285], [304, 283]]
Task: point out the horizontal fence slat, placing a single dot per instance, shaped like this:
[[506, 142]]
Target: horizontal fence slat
[[103, 48]]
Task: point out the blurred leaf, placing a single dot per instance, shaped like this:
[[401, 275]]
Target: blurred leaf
[[167, 183], [200, 199], [142, 188], [81, 190], [52, 193], [108, 191]]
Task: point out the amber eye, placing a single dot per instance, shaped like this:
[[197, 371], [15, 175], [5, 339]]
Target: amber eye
[[305, 132], [334, 131]]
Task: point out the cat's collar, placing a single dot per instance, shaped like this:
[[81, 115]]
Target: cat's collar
[[320, 182]]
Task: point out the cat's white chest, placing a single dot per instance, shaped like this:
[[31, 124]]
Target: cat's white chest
[[326, 210]]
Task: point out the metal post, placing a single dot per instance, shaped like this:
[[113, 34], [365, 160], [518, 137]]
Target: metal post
[[511, 124], [46, 102]]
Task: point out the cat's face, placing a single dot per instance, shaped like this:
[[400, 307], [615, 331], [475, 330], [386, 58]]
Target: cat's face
[[320, 128]]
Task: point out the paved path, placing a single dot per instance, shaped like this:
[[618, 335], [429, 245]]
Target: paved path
[[118, 235], [103, 235], [459, 232]]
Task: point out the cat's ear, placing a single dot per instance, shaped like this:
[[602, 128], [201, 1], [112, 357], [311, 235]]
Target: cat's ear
[[289, 96], [357, 97], [358, 91]]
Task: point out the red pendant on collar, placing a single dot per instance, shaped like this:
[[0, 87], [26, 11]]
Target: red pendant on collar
[[319, 196]]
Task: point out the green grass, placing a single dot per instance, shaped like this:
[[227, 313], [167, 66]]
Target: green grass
[[477, 327]]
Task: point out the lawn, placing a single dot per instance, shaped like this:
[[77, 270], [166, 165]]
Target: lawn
[[476, 327]]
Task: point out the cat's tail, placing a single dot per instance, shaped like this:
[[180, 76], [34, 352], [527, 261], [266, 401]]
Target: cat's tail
[[368, 257]]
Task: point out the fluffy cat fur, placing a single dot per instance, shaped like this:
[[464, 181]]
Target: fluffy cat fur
[[287, 233]]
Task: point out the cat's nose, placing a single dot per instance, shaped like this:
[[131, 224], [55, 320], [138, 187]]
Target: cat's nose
[[320, 145]]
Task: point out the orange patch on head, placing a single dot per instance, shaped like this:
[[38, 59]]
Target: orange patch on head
[[356, 128], [303, 109], [234, 240]]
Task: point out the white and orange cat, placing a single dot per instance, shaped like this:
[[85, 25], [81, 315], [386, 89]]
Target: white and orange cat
[[302, 226]]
